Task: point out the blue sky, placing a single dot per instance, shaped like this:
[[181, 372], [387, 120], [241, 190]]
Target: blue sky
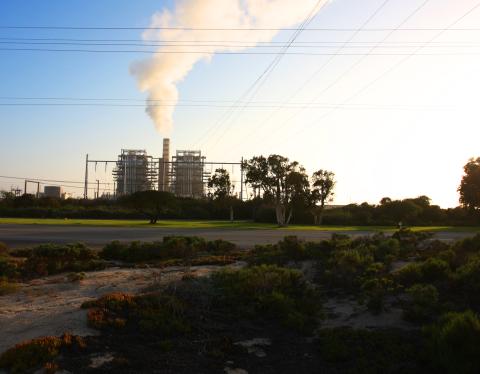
[[409, 135]]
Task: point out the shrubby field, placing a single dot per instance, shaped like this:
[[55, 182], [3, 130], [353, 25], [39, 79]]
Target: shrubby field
[[380, 304]]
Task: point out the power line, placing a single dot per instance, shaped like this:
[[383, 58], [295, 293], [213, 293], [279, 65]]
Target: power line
[[46, 180], [228, 114], [312, 45], [356, 63], [329, 60], [391, 69], [227, 53], [333, 29], [208, 106], [259, 43]]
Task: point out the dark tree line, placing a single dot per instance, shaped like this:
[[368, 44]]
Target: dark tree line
[[283, 194]]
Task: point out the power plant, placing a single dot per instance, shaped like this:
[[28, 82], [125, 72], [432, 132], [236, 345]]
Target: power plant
[[135, 171], [185, 174], [188, 174]]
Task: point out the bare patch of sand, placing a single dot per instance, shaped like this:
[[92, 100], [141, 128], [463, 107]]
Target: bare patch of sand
[[51, 305], [349, 313]]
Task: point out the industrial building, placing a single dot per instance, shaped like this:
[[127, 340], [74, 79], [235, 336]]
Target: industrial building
[[188, 177], [53, 191], [135, 171], [184, 175]]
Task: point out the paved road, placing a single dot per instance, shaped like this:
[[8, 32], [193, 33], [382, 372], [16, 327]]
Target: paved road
[[23, 235]]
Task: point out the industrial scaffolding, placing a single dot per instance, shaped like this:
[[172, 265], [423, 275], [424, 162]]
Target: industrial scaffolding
[[187, 174], [135, 171]]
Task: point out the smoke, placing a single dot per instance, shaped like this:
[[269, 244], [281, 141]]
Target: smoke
[[160, 74]]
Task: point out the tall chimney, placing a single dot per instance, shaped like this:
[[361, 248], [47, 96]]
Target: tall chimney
[[164, 167]]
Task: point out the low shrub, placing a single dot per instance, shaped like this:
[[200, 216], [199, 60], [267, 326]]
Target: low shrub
[[467, 282], [7, 287], [454, 343], [172, 247], [3, 249], [8, 268], [363, 351], [51, 259], [410, 240], [433, 270], [422, 303], [268, 291], [292, 248], [348, 266], [152, 313], [220, 247], [386, 250], [33, 354], [375, 290]]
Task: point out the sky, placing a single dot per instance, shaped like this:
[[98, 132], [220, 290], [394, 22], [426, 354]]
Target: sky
[[391, 112]]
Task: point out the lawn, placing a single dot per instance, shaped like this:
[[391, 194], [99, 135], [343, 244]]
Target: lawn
[[207, 224]]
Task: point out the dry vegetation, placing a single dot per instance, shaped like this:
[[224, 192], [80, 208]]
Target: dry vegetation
[[378, 304]]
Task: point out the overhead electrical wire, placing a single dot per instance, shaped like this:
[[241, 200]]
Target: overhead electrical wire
[[253, 88], [333, 56], [392, 68], [333, 29], [410, 15], [376, 11], [226, 53]]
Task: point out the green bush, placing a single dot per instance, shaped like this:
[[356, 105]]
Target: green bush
[[422, 304], [33, 354], [50, 259], [172, 247], [386, 250], [159, 314], [220, 247], [454, 343], [410, 240], [433, 270], [375, 291], [292, 248], [3, 249], [467, 281], [6, 286], [268, 291], [8, 268], [346, 350], [409, 274], [268, 254], [347, 267]]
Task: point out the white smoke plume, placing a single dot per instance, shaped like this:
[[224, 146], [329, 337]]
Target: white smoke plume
[[160, 74]]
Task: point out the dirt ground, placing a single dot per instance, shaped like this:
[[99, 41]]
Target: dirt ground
[[51, 305]]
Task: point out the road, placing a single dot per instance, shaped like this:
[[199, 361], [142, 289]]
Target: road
[[27, 235]]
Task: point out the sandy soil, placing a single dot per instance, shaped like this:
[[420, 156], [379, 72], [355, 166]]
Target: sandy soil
[[51, 305], [348, 313]]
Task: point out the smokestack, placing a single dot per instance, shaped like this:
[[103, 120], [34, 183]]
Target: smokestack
[[160, 74], [166, 149], [164, 167]]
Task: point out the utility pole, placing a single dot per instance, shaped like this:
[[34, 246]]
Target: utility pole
[[38, 187], [241, 180], [98, 188], [85, 191]]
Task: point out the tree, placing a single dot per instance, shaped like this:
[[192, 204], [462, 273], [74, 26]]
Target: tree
[[469, 188], [222, 189], [282, 182], [220, 184], [150, 203], [323, 184]]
